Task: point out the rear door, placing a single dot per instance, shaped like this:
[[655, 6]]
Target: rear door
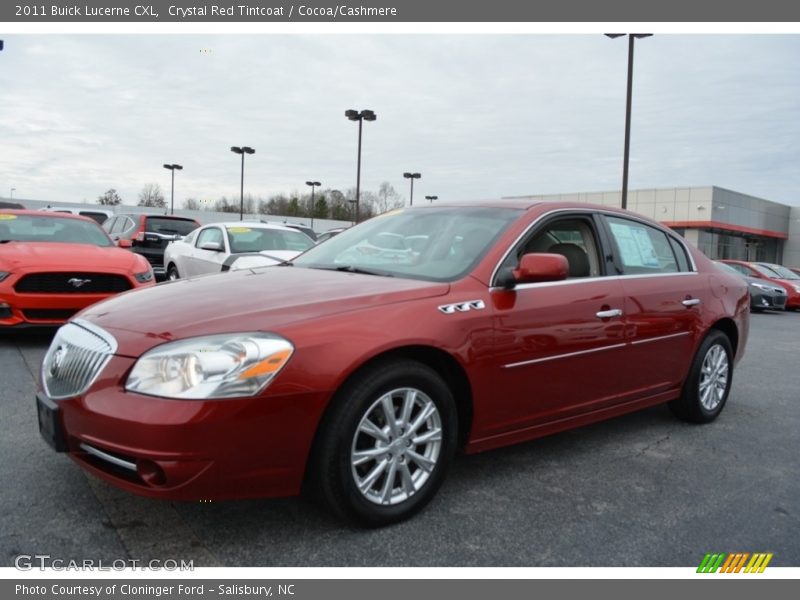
[[664, 296]]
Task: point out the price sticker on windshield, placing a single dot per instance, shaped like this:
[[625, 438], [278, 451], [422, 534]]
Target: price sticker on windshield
[[7, 217]]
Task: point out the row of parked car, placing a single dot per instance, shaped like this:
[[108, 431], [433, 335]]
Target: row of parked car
[[56, 261], [771, 286]]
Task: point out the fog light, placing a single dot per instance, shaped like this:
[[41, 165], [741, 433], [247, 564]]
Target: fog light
[[5, 311], [150, 472]]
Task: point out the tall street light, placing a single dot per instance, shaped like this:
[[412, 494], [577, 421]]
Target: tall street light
[[412, 177], [631, 38], [364, 115], [12, 193], [242, 150], [431, 198], [172, 168], [314, 185]]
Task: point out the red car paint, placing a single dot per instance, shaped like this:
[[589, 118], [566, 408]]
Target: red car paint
[[792, 295], [578, 368], [49, 304]]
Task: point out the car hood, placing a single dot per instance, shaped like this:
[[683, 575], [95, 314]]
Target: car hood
[[266, 299], [34, 256]]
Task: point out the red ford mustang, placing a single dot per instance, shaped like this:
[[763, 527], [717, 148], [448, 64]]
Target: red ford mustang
[[53, 264], [359, 369]]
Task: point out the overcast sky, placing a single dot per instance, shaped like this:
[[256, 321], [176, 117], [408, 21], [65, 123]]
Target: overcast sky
[[480, 116]]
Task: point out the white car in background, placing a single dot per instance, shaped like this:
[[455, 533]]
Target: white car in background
[[220, 247]]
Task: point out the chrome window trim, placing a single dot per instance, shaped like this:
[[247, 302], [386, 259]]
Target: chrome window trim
[[589, 212], [528, 286]]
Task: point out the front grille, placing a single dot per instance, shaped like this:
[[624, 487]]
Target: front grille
[[48, 314], [76, 356], [72, 283], [779, 300], [154, 259]]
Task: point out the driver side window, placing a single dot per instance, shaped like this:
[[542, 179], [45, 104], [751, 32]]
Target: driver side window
[[212, 234], [572, 237]]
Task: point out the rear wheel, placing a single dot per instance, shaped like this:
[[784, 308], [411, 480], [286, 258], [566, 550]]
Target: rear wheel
[[709, 383], [386, 445], [172, 273]]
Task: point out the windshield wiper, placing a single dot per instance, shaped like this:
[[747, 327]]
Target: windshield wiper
[[353, 269]]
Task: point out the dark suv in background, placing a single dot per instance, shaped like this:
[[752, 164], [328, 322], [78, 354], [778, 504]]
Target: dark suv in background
[[148, 235]]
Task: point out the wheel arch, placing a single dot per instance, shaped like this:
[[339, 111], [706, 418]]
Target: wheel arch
[[729, 328]]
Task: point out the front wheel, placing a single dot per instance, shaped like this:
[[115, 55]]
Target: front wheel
[[709, 382], [172, 273], [386, 444]]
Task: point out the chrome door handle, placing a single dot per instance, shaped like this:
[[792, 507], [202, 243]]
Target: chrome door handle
[[689, 302], [607, 314]]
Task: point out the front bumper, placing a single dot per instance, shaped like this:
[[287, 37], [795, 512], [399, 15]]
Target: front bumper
[[187, 449]]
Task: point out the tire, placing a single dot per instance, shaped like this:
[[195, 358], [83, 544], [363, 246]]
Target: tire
[[358, 450], [708, 385], [172, 273]]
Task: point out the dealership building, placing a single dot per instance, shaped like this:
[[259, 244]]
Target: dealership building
[[721, 223]]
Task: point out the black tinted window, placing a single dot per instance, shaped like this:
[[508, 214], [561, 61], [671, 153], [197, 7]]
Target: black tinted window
[[169, 226]]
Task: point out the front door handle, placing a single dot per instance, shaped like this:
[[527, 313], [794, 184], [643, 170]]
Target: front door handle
[[608, 314], [689, 302]]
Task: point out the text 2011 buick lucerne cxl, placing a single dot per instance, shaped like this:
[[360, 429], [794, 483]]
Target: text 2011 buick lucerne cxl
[[359, 369]]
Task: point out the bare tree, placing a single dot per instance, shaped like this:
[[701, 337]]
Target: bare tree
[[151, 196], [387, 198], [110, 198], [191, 204]]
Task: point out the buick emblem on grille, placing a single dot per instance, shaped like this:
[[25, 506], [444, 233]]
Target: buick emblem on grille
[[78, 282], [58, 359]]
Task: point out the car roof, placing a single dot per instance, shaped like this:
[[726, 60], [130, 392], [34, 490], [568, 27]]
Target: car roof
[[155, 215], [77, 209], [44, 214], [254, 224]]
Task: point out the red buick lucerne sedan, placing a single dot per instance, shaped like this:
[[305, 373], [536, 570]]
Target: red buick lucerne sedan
[[52, 265], [357, 370]]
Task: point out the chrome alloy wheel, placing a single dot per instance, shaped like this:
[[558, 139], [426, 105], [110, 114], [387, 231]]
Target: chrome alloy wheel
[[713, 377], [396, 446]]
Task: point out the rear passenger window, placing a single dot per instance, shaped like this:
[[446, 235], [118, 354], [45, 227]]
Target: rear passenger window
[[680, 254], [641, 249]]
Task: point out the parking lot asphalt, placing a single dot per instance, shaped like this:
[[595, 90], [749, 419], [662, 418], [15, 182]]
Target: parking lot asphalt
[[640, 490]]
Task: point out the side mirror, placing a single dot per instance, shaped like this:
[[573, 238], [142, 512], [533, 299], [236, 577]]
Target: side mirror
[[213, 246], [123, 243], [536, 268]]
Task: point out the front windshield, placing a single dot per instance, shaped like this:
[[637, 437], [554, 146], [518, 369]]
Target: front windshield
[[262, 239], [437, 244], [51, 228], [783, 272], [765, 271], [727, 268]]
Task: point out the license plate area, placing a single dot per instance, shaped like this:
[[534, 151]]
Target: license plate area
[[50, 428]]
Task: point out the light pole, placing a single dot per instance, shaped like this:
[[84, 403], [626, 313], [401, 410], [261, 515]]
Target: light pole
[[314, 185], [172, 168], [631, 38], [431, 198], [242, 150], [11, 194], [412, 177], [364, 115]]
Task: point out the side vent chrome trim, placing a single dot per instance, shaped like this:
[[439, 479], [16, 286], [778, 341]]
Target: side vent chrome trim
[[450, 309]]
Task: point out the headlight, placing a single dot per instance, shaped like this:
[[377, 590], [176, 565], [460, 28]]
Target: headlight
[[144, 277], [762, 287], [217, 366], [4, 274]]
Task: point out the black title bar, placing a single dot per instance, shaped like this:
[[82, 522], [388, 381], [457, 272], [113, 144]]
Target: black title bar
[[398, 11]]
